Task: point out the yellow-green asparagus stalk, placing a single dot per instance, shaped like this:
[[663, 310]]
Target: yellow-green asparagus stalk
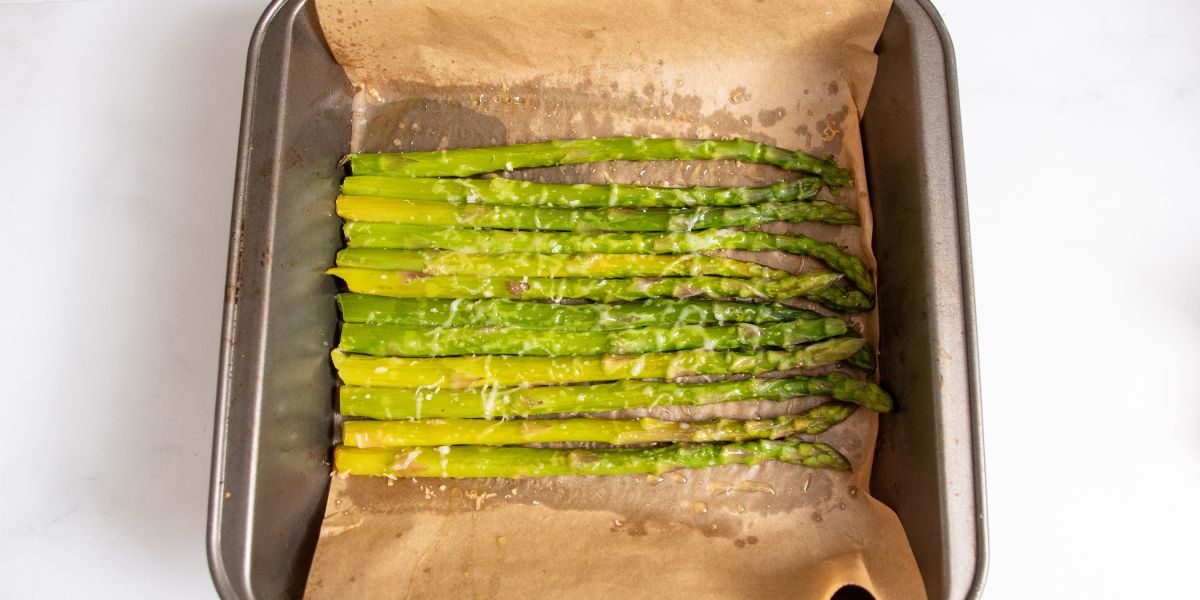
[[455, 432], [390, 340], [409, 284], [441, 312], [498, 190], [500, 371], [488, 402], [537, 218], [518, 462], [517, 264]]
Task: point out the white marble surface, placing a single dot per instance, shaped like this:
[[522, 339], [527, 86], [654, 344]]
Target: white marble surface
[[118, 125]]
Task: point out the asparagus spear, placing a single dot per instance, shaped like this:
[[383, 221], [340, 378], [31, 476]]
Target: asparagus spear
[[517, 462], [498, 190], [437, 312], [863, 359], [413, 237], [537, 218], [839, 298], [438, 432], [390, 340], [472, 161], [517, 264], [407, 284], [480, 371], [414, 403]]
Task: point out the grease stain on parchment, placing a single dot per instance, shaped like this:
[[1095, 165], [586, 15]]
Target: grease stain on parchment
[[769, 118]]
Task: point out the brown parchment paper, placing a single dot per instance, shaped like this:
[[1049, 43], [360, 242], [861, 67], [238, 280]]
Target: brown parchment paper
[[433, 75]]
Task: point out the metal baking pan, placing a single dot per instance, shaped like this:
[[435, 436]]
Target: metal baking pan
[[274, 418]]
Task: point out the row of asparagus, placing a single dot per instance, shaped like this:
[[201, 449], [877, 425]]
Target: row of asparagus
[[464, 328]]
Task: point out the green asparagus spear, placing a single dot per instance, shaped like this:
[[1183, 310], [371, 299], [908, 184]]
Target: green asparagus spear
[[406, 284], [389, 340], [457, 432], [517, 264], [437, 312], [498, 190], [517, 462], [839, 298], [863, 359], [472, 161], [537, 218], [415, 403], [414, 237], [479, 371]]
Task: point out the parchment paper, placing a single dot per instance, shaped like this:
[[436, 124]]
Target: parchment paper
[[479, 72]]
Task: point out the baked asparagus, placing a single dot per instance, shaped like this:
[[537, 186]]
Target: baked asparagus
[[517, 462], [473, 161], [517, 264], [438, 312], [863, 359], [390, 340], [415, 237], [480, 371], [841, 298], [408, 284], [498, 190], [537, 218], [441, 431], [415, 403]]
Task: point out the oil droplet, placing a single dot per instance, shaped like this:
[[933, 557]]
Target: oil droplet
[[754, 486], [617, 523], [699, 507], [842, 505], [817, 517], [853, 491], [679, 477], [741, 508], [501, 541]]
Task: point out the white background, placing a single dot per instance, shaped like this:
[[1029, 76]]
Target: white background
[[1081, 119]]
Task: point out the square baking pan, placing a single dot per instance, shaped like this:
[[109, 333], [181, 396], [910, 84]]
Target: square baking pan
[[270, 473]]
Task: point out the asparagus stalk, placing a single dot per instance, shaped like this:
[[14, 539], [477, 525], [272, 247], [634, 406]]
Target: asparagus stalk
[[863, 359], [498, 190], [414, 403], [480, 371], [407, 284], [390, 340], [839, 298], [438, 432], [537, 218], [437, 312], [472, 161], [414, 237], [517, 264], [517, 462]]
